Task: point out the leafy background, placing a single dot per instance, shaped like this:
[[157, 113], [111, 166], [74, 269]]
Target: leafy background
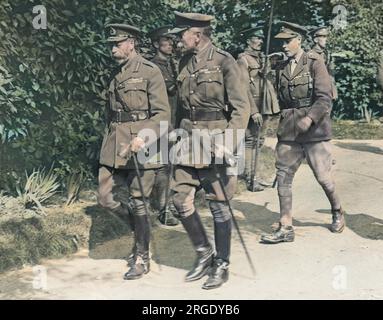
[[52, 82]]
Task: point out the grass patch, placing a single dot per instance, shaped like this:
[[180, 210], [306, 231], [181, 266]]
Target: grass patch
[[26, 240], [347, 129]]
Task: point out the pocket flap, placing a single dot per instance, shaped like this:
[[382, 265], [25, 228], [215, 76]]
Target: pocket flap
[[133, 84], [210, 76], [301, 80]]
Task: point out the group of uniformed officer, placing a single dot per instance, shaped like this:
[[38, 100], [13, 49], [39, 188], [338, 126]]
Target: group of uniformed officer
[[209, 92]]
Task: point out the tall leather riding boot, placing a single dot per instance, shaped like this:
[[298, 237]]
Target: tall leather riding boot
[[140, 265], [222, 237], [205, 252], [219, 273]]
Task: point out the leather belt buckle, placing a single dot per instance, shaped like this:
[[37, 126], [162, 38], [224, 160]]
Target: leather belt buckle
[[118, 116]]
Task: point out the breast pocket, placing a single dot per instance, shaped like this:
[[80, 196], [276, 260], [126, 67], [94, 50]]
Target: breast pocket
[[133, 93], [210, 84], [301, 87]]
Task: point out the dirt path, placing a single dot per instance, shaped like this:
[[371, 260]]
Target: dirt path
[[318, 265]]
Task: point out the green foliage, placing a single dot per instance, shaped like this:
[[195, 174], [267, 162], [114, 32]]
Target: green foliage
[[39, 187], [74, 183], [53, 82], [355, 73]]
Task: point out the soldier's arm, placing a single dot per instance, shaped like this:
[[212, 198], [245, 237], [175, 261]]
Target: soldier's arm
[[245, 80], [237, 97], [322, 91]]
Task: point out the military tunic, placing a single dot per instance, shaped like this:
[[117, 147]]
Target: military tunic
[[137, 101], [326, 56], [138, 87], [212, 98], [168, 69], [251, 65]]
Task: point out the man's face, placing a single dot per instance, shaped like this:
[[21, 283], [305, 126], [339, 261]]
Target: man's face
[[292, 46], [121, 50], [321, 41], [165, 45], [255, 43], [190, 38]]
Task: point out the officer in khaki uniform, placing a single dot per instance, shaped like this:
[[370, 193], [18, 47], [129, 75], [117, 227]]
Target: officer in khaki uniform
[[319, 36], [212, 99], [304, 92], [251, 63], [163, 43], [137, 100]]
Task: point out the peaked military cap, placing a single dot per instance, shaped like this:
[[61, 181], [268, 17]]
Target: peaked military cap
[[290, 30], [320, 31], [119, 32], [163, 31], [188, 20], [253, 32]]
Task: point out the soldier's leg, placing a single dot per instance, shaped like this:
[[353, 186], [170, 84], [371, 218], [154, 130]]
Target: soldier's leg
[[265, 126], [112, 195], [289, 156], [222, 221], [250, 140], [186, 182], [319, 158], [162, 182], [140, 264]]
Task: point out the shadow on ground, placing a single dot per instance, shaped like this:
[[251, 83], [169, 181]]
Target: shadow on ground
[[359, 147], [109, 238], [259, 219], [363, 225]]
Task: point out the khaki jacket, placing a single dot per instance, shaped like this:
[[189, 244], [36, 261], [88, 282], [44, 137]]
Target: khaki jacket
[[168, 69], [136, 86], [328, 61], [210, 81], [251, 65], [306, 92]]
